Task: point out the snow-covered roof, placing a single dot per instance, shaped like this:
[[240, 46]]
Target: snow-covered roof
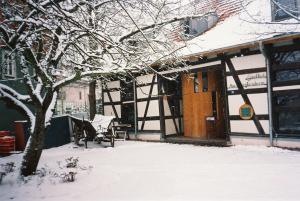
[[251, 24]]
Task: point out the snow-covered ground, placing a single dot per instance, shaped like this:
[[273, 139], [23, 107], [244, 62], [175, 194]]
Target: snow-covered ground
[[159, 171]]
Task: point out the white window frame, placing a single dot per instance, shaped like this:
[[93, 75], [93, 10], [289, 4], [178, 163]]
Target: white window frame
[[9, 65], [273, 6]]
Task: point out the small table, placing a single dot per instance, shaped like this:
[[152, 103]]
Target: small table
[[122, 129]]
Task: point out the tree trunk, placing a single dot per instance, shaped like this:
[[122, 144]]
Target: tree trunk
[[92, 99], [34, 146]]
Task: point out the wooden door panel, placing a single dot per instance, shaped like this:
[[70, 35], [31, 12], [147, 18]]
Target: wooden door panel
[[198, 106]]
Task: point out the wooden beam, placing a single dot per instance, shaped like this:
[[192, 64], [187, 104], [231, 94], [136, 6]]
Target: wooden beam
[[148, 101], [227, 121], [173, 117], [161, 109], [244, 95], [112, 104]]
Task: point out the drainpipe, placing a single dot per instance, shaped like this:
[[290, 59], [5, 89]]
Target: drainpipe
[[135, 109], [266, 55]]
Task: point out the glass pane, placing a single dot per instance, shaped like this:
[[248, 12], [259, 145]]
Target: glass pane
[[288, 100], [127, 93], [127, 114], [205, 82], [196, 83], [287, 57], [286, 6], [288, 75], [289, 121]]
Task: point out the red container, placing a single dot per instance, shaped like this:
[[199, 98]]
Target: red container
[[4, 133], [7, 144]]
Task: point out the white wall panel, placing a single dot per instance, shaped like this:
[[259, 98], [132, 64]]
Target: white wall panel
[[166, 108], [170, 127], [243, 126], [246, 62], [150, 125], [108, 110], [248, 126], [113, 84], [144, 79], [153, 110], [249, 81], [258, 101], [234, 103], [265, 125], [143, 92], [115, 96]]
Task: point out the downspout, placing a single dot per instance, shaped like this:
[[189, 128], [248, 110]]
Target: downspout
[[269, 88], [135, 109]]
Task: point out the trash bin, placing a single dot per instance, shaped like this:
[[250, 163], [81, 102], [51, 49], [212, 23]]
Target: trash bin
[[20, 135], [7, 145]]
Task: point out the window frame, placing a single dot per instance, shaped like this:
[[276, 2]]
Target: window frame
[[9, 65], [276, 108], [275, 8]]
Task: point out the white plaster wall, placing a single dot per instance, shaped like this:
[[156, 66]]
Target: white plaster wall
[[108, 110], [247, 126], [113, 84], [248, 81], [246, 62], [170, 127], [145, 136], [258, 101], [144, 79], [153, 109], [243, 126], [115, 96], [150, 125], [143, 92], [265, 125], [166, 108]]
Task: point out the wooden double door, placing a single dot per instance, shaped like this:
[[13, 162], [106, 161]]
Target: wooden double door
[[204, 104]]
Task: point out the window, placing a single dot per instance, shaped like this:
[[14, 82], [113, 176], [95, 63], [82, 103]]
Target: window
[[283, 9], [9, 65], [127, 93], [286, 75], [80, 95], [196, 83], [205, 81], [288, 115], [196, 26], [286, 103], [286, 66]]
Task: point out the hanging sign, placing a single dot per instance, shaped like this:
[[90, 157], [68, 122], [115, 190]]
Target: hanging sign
[[246, 112]]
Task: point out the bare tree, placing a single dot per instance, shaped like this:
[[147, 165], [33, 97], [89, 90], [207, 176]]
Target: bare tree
[[53, 36]]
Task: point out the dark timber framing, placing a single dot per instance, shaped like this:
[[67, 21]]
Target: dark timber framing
[[173, 116], [148, 101], [292, 133], [243, 94], [112, 104], [161, 108], [227, 121]]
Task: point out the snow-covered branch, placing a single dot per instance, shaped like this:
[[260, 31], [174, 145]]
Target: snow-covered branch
[[175, 19], [14, 93], [14, 97]]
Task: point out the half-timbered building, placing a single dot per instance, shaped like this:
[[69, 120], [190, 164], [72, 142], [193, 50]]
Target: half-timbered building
[[240, 83]]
